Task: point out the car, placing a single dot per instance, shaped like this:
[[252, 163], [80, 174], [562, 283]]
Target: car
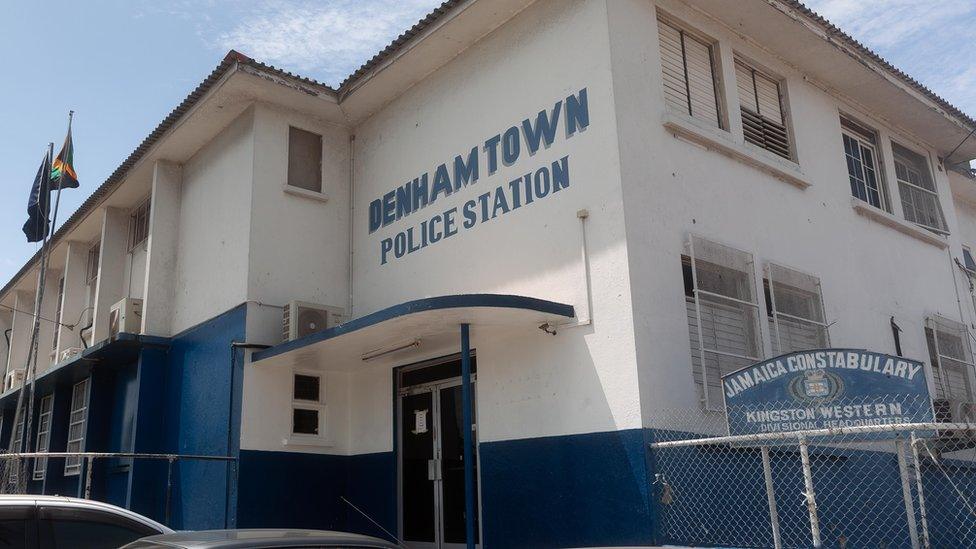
[[55, 522], [260, 538]]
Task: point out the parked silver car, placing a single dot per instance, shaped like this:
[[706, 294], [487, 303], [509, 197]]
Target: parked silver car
[[260, 539], [54, 522]]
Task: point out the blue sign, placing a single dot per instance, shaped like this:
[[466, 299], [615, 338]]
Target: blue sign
[[826, 388]]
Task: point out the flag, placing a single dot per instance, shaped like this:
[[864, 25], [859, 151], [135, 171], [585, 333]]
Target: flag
[[39, 203], [63, 174]]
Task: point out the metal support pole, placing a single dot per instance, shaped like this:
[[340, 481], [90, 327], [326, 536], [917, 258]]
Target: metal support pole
[[169, 487], [466, 425], [810, 495], [906, 491], [921, 497], [89, 461], [771, 498]]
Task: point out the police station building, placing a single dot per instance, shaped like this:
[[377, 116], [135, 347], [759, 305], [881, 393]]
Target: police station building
[[529, 223]]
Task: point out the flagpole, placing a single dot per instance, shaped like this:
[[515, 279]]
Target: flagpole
[[30, 366]]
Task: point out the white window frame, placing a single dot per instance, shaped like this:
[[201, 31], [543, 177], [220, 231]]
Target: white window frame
[[17, 436], [777, 333], [317, 405], [944, 229], [759, 315], [43, 441], [755, 72], [139, 225], [861, 134], [938, 380], [711, 45], [295, 189], [72, 465]]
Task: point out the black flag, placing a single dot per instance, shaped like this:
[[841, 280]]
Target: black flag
[[39, 203]]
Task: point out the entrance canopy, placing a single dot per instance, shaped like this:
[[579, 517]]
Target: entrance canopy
[[429, 323]]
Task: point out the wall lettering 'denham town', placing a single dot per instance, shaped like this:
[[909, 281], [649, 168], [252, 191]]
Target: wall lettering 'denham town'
[[508, 147]]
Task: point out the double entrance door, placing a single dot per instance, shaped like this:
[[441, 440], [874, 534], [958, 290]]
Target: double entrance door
[[431, 454]]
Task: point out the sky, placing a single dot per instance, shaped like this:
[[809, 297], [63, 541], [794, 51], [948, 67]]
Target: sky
[[123, 65]]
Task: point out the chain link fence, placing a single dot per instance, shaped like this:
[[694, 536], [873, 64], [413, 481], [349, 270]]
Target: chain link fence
[[865, 478]]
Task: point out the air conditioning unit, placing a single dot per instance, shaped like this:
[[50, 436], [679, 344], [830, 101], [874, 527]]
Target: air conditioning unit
[[301, 318], [15, 378], [954, 411], [68, 353], [125, 317]]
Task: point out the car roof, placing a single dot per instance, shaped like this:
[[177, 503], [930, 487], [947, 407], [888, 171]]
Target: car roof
[[78, 503], [266, 537]]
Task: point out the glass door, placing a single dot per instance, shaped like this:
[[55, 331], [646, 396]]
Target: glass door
[[432, 509]]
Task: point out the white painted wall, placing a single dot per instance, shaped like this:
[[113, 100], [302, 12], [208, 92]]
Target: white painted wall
[[671, 187], [298, 244], [213, 227]]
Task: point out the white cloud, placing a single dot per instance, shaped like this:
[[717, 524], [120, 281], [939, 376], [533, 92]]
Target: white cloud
[[934, 41], [326, 40]]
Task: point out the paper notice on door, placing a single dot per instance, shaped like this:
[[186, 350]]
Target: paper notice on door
[[419, 422]]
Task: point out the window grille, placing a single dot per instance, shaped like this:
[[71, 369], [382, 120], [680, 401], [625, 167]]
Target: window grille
[[919, 198], [760, 102], [723, 313], [861, 154], [43, 436], [950, 357], [77, 426], [139, 224], [18, 437], [687, 64], [57, 315], [306, 409], [796, 313], [304, 160]]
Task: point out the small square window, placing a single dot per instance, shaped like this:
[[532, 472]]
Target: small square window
[[304, 160], [305, 421], [306, 387]]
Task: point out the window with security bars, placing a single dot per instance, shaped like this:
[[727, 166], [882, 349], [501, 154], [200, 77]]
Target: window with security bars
[[761, 105], [139, 224], [951, 359], [723, 315], [919, 198], [861, 155], [77, 426], [688, 70], [18, 440], [794, 304], [43, 442], [94, 253], [57, 315]]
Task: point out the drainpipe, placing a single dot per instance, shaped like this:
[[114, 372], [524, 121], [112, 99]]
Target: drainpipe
[[350, 197]]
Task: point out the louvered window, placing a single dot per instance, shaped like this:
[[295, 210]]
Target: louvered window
[[950, 357], [77, 426], [919, 198], [861, 155], [687, 64], [43, 436], [794, 302], [139, 224], [723, 315], [763, 121]]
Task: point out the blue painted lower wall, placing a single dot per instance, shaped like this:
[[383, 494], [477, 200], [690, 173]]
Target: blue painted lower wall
[[566, 491], [299, 490]]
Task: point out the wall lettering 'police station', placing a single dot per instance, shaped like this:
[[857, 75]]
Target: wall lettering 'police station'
[[825, 388], [451, 177]]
